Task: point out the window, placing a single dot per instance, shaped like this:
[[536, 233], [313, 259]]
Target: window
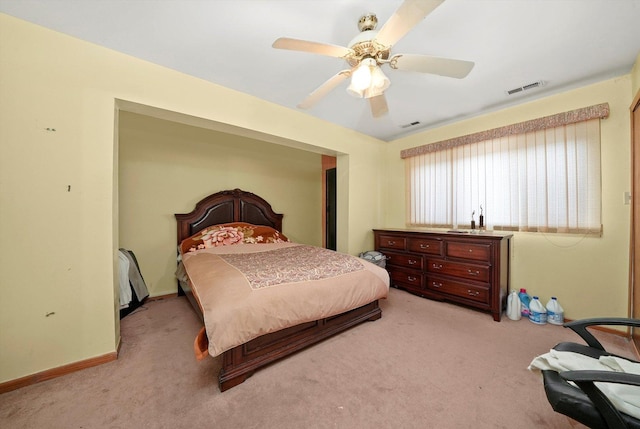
[[546, 179]]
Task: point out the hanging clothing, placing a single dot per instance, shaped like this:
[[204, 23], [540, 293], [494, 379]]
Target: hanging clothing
[[133, 289]]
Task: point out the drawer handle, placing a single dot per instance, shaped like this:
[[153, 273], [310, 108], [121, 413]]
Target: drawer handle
[[412, 262], [437, 266], [470, 250], [474, 273], [473, 292], [424, 246], [411, 278], [391, 243], [437, 285]]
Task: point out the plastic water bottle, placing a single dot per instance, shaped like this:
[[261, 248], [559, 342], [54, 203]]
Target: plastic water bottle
[[555, 313], [537, 312], [514, 306], [525, 299]]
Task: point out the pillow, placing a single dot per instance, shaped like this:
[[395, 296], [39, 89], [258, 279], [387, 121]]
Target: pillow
[[228, 234]]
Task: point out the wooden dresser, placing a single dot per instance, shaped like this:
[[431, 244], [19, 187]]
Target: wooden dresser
[[466, 268]]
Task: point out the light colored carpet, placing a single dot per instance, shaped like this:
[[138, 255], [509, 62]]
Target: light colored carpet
[[425, 364]]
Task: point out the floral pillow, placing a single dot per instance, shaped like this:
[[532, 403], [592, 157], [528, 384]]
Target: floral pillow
[[232, 233]]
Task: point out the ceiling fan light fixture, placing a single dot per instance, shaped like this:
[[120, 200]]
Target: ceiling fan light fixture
[[379, 83], [379, 80], [368, 80], [362, 75]]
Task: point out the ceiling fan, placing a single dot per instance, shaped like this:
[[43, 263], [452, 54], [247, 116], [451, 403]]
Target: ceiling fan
[[371, 49]]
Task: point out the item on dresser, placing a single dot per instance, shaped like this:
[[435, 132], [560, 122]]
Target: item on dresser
[[469, 269]]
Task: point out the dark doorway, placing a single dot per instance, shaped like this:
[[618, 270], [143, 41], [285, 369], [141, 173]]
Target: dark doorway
[[330, 226]]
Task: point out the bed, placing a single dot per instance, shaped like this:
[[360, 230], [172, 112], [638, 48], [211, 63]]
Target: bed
[[283, 315]]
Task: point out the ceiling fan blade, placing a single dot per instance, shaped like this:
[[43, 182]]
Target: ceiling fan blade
[[312, 47], [410, 13], [378, 106], [324, 89], [434, 65]]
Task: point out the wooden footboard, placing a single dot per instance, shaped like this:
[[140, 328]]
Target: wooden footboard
[[241, 361]]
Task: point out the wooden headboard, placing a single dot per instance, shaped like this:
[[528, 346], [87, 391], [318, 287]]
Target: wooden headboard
[[227, 206]]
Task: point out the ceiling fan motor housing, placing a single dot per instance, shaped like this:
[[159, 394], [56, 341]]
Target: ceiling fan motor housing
[[364, 45]]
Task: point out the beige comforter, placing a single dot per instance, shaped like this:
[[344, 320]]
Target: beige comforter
[[248, 290]]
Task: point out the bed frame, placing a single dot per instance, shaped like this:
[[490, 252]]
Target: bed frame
[[240, 362]]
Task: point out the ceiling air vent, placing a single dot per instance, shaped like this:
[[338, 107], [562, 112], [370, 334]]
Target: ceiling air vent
[[410, 124], [525, 87]]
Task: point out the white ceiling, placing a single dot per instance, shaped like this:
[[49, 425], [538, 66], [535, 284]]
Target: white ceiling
[[564, 43]]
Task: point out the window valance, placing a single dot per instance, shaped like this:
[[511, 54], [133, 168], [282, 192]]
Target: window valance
[[559, 119]]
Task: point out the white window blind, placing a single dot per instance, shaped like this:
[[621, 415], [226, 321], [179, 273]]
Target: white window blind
[[544, 180]]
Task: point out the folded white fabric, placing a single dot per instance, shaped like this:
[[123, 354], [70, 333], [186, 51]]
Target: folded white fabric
[[624, 397]]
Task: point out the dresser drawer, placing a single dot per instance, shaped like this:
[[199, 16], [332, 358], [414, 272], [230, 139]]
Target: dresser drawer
[[406, 260], [458, 269], [473, 251], [408, 279], [463, 290], [423, 245], [392, 242]]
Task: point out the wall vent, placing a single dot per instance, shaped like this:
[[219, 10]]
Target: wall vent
[[525, 87], [410, 124]]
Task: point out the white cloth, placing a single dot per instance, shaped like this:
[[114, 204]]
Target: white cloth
[[123, 276], [624, 397], [135, 277]]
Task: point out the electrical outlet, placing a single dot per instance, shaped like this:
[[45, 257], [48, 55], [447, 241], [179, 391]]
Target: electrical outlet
[[627, 198]]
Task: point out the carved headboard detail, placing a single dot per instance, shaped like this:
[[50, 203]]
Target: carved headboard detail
[[227, 206]]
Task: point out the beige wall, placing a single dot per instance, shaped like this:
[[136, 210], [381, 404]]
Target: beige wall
[[166, 168], [58, 244], [58, 247], [587, 274]]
